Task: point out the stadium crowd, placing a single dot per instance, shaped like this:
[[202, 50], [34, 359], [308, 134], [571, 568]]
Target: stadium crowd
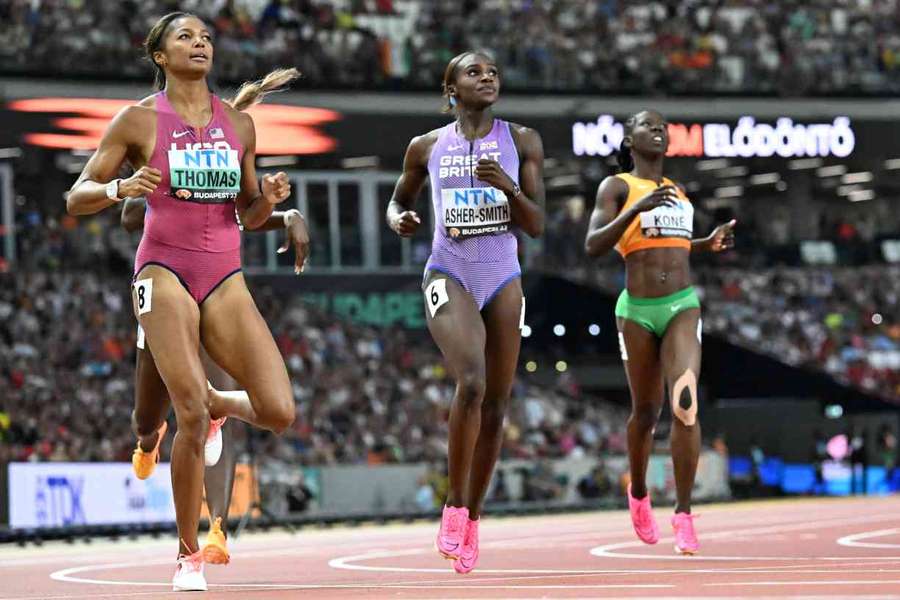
[[364, 395], [690, 46], [843, 320]]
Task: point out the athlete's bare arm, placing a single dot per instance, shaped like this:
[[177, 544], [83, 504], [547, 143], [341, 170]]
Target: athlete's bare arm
[[400, 214], [606, 226], [255, 203], [133, 211], [722, 238], [130, 136], [528, 207]]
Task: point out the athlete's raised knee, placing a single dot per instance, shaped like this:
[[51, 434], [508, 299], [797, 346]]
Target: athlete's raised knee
[[684, 398], [281, 419], [277, 413]]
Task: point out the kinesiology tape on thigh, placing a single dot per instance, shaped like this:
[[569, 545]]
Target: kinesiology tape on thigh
[[684, 398]]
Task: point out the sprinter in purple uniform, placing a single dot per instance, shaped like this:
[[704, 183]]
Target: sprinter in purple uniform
[[486, 178]]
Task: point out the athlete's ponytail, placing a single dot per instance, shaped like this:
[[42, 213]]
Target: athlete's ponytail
[[252, 92], [623, 156]]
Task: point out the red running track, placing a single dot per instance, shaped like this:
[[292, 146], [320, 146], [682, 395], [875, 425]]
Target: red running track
[[810, 548]]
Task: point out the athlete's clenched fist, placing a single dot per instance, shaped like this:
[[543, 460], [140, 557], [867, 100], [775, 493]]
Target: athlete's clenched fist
[[276, 188], [142, 183]]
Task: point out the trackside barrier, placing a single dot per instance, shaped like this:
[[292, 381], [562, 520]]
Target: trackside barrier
[[54, 500]]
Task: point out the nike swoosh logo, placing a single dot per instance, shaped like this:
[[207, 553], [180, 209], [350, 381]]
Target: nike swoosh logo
[[674, 308], [178, 134], [452, 148]]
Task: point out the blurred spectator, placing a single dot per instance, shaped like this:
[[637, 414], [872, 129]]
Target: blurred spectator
[[859, 462], [887, 450], [539, 483], [596, 484], [820, 456], [683, 47], [499, 491], [425, 500], [758, 458], [299, 495]]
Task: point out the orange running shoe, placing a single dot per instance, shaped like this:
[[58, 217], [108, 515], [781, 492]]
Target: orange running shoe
[[215, 552], [144, 463]]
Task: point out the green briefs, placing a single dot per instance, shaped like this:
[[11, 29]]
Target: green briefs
[[654, 314]]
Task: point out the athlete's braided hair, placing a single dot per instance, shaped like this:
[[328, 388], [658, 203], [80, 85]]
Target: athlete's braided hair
[[623, 156]]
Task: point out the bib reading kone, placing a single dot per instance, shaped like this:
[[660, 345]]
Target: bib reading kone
[[205, 173], [474, 211], [669, 221]]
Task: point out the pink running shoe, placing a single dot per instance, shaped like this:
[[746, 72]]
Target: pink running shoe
[[642, 518], [468, 555], [453, 530], [685, 537]]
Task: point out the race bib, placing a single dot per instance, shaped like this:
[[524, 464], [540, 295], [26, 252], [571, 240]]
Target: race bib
[[143, 289], [436, 295], [474, 211], [669, 221], [205, 175]]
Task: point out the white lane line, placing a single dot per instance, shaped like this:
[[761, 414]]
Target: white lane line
[[66, 575], [729, 597], [822, 582], [70, 575], [766, 597], [350, 563], [609, 550], [853, 540], [94, 595]]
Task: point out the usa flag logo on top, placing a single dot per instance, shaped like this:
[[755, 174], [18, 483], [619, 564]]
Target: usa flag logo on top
[[216, 133]]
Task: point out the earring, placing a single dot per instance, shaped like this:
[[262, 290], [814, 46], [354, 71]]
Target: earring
[[452, 100]]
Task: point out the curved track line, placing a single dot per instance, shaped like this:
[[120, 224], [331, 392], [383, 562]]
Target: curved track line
[[853, 540], [65, 575], [608, 550]]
